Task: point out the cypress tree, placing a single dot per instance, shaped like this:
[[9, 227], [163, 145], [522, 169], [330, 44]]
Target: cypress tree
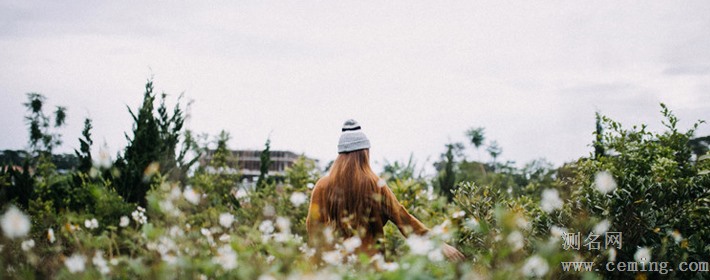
[[84, 153], [142, 150], [599, 137], [265, 163], [447, 179]]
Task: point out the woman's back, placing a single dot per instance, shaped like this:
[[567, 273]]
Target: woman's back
[[353, 202]]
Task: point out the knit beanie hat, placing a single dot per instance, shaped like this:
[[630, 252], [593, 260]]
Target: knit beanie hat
[[352, 138]]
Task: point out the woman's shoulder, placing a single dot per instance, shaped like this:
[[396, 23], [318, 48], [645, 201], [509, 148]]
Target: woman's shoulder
[[321, 183]]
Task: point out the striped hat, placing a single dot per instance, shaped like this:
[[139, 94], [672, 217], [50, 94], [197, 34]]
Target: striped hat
[[352, 138]]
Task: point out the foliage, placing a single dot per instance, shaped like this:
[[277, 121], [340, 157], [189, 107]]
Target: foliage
[[152, 148], [302, 174], [494, 150], [598, 137], [264, 165], [205, 224], [84, 152], [446, 167], [42, 139], [660, 200]]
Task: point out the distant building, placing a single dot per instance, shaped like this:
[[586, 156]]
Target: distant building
[[248, 162]]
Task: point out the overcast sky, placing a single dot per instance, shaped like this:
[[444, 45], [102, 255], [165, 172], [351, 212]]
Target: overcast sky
[[415, 74]]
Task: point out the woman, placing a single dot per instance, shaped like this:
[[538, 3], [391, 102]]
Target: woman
[[353, 201]]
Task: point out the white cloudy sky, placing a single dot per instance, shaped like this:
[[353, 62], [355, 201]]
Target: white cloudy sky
[[415, 74]]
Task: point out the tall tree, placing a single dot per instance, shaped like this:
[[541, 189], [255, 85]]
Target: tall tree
[[447, 173], [155, 140], [494, 150], [599, 137], [476, 136], [42, 139], [264, 164], [143, 149], [84, 152], [221, 156]]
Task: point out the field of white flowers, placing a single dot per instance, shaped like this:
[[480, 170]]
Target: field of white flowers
[[645, 199]]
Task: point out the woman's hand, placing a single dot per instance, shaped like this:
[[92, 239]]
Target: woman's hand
[[452, 253]]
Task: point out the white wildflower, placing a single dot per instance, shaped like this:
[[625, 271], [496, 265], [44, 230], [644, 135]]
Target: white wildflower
[[283, 224], [550, 200], [307, 251], [270, 259], [442, 230], [225, 237], [15, 223], [352, 243], [175, 231], [75, 263], [103, 161], [419, 245], [332, 257], [124, 221], [612, 254], [471, 223], [269, 211], [602, 227], [139, 215], [643, 254], [310, 185], [379, 261], [535, 266], [191, 195], [436, 256], [515, 239], [100, 262], [150, 170], [266, 227], [522, 223], [266, 277], [91, 224], [556, 233], [351, 259], [241, 193], [166, 245], [282, 237], [298, 198], [28, 245], [169, 259], [459, 214], [205, 232], [169, 208], [390, 266], [50, 235], [604, 182], [175, 193], [677, 237], [328, 233], [226, 257], [226, 219]]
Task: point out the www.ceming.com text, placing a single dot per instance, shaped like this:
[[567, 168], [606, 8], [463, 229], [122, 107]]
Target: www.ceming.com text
[[660, 267]]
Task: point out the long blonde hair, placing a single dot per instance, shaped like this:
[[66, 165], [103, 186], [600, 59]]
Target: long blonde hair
[[351, 194]]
